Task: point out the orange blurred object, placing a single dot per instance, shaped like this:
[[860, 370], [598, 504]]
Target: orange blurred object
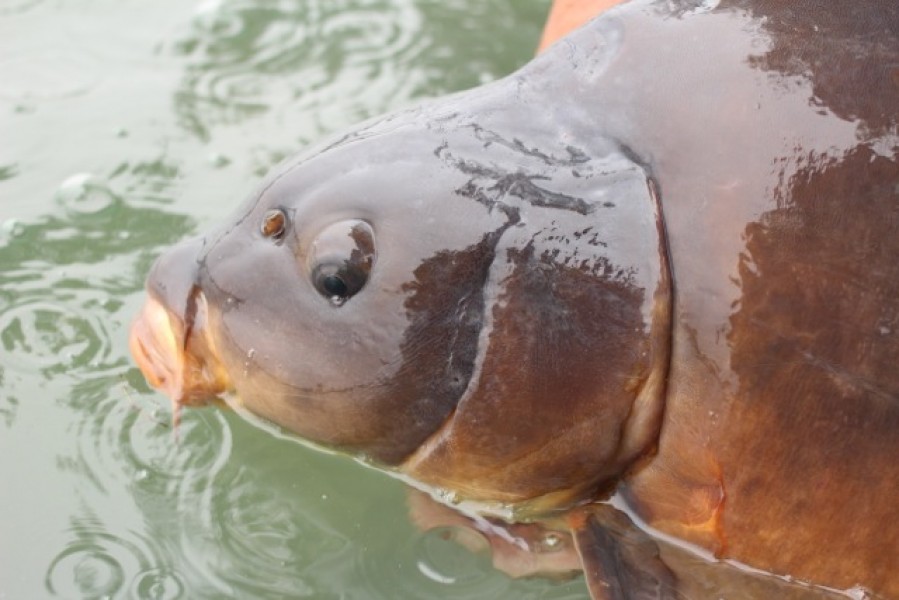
[[567, 15]]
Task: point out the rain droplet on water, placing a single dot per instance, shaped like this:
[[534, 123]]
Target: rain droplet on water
[[218, 160], [84, 193], [11, 228]]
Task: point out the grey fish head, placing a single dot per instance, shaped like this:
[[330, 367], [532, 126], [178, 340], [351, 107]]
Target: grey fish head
[[446, 290]]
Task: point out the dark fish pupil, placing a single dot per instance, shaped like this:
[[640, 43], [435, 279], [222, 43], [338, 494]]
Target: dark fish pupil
[[334, 285]]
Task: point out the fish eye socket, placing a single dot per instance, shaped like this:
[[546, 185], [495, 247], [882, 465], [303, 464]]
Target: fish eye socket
[[340, 260], [273, 224]]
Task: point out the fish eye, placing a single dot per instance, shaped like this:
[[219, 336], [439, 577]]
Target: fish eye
[[335, 286], [337, 283], [273, 224], [340, 260]]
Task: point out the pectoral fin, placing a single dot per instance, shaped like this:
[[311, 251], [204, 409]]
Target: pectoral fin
[[620, 561]]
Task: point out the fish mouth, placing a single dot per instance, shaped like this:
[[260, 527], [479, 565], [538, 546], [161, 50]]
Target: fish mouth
[[175, 355]]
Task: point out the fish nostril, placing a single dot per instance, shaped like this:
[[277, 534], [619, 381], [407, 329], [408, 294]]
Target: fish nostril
[[190, 315], [173, 279]]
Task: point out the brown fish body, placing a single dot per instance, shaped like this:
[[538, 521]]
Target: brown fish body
[[780, 190], [664, 255]]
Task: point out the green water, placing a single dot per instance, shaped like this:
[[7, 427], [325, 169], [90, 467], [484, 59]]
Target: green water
[[124, 127]]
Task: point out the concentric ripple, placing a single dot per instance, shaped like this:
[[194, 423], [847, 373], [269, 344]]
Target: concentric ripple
[[128, 451], [85, 570], [100, 564], [323, 59], [251, 545], [161, 459], [157, 584], [50, 338], [58, 311]]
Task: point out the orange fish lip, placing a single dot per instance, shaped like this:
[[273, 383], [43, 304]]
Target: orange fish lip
[[174, 358]]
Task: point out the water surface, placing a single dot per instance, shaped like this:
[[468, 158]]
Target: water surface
[[125, 127]]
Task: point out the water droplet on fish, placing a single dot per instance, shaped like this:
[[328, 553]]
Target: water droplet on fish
[[141, 475], [551, 542], [449, 497], [251, 353], [859, 593], [884, 330]]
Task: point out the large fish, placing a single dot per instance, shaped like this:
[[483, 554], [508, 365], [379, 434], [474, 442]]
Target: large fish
[[662, 258]]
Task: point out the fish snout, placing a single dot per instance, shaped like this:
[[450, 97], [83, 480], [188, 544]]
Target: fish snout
[[170, 339]]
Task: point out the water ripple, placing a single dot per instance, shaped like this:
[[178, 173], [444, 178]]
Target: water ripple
[[51, 338], [126, 449], [326, 59], [98, 564], [58, 312], [198, 515], [86, 570], [157, 584], [250, 545]]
